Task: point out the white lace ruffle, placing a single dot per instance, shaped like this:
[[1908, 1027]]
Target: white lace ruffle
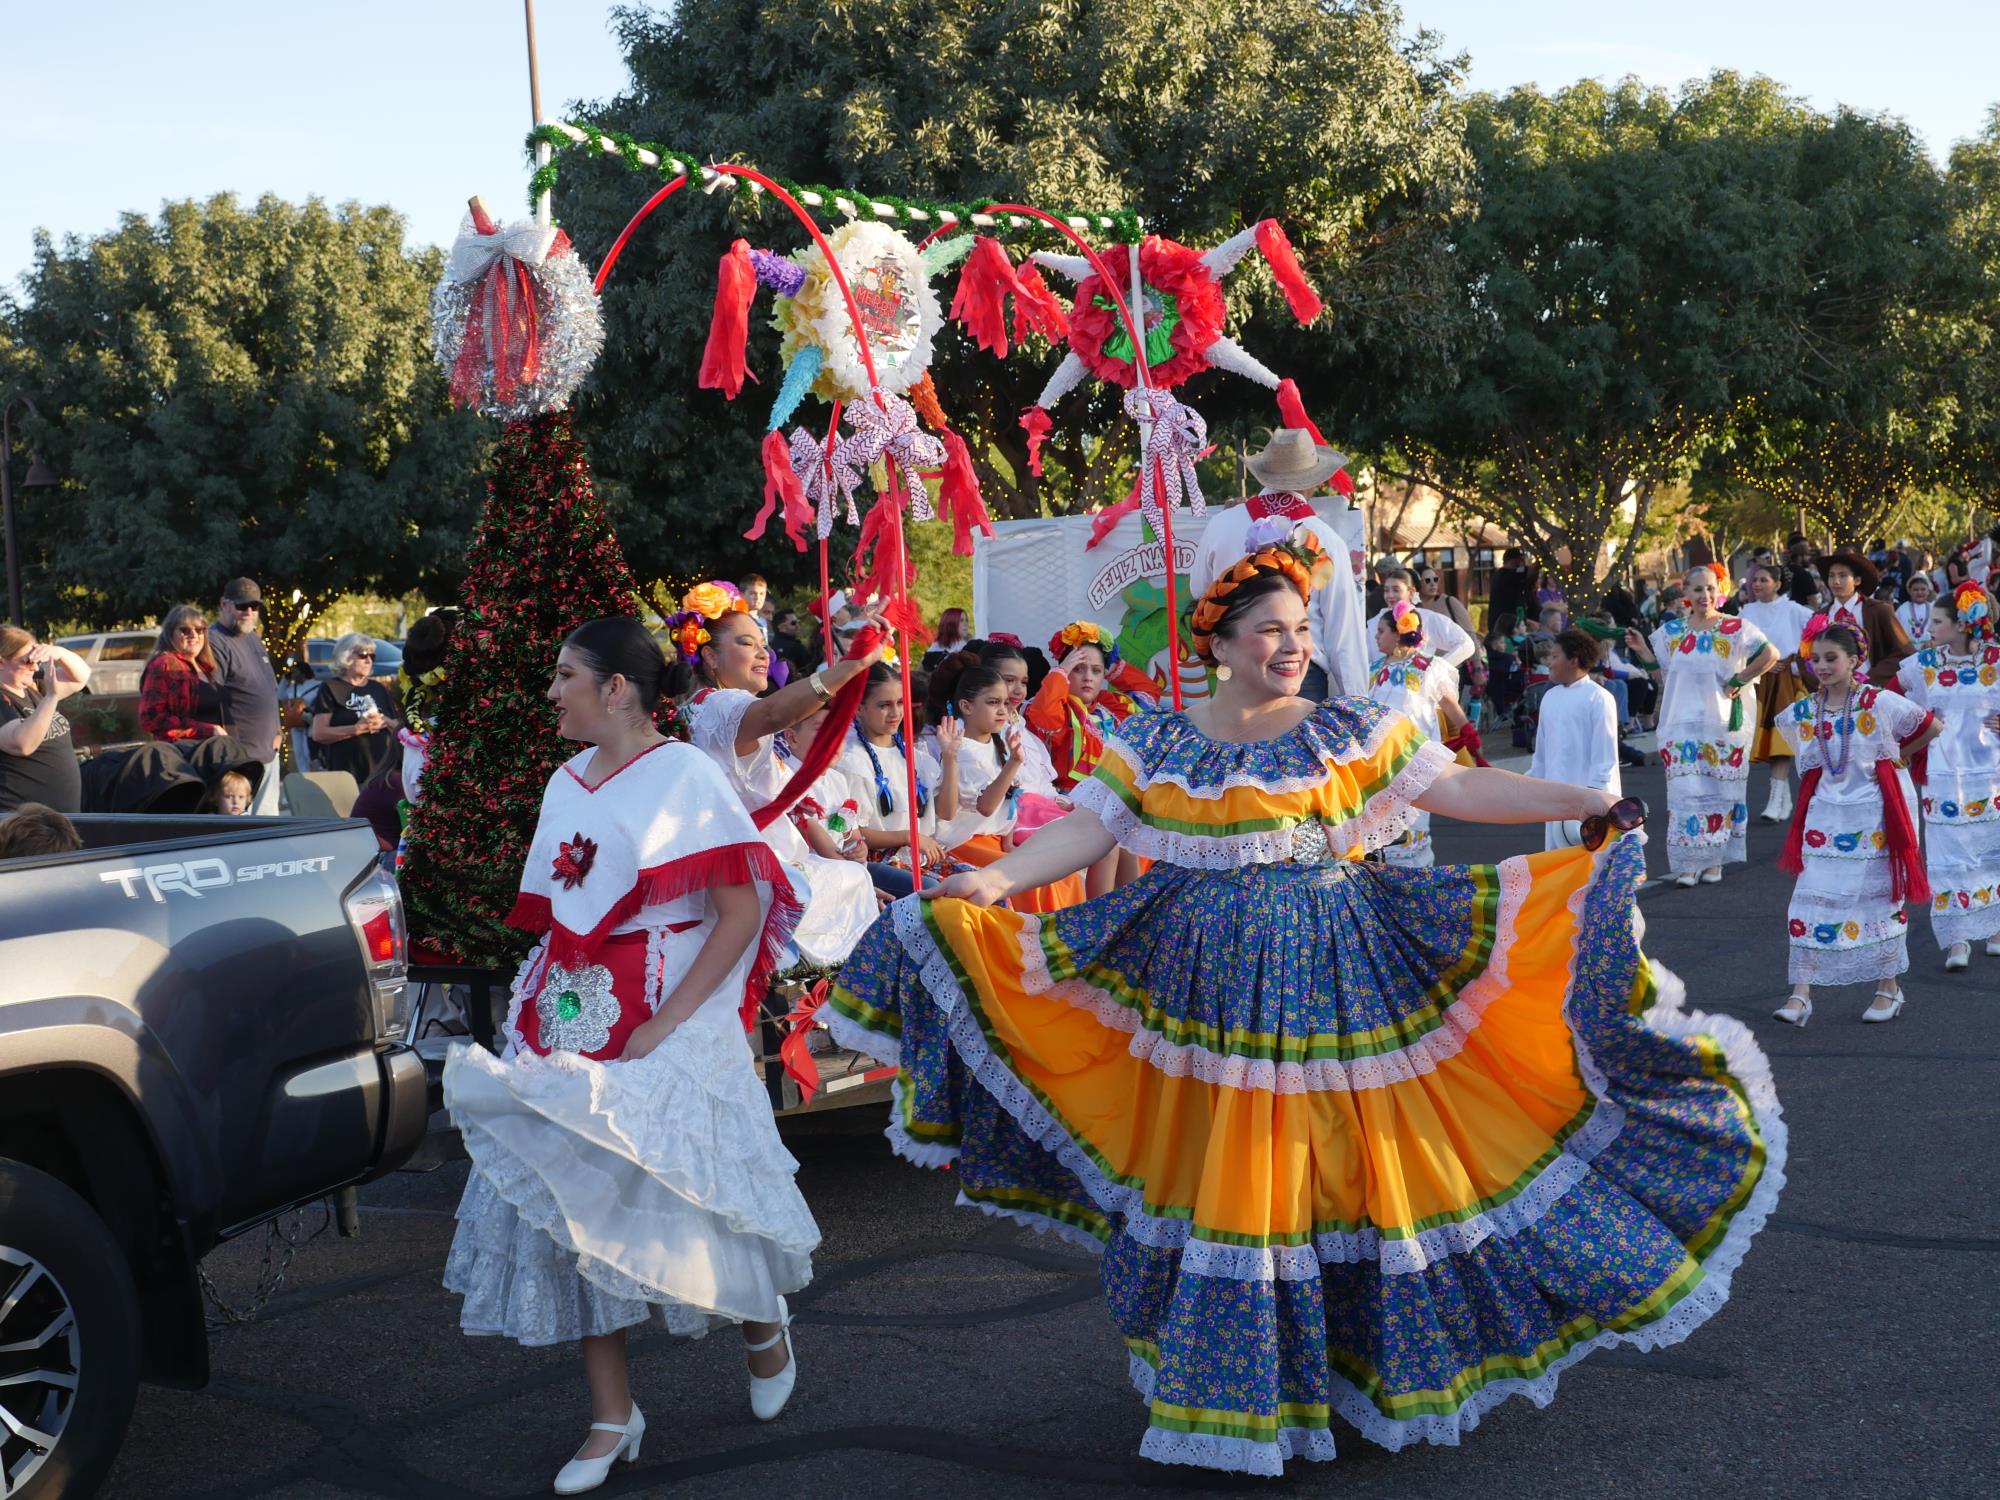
[[1320, 1075], [1855, 964], [1231, 1454]]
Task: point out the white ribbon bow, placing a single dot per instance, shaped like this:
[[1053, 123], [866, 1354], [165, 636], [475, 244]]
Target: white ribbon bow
[[810, 463], [885, 427], [1173, 434], [472, 253]]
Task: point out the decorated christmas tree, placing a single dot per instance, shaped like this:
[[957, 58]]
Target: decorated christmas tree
[[516, 325], [544, 560]]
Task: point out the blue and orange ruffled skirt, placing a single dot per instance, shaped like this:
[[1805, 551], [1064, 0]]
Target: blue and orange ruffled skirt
[[1388, 1145]]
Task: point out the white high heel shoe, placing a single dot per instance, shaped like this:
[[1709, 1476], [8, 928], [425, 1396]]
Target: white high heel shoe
[[1993, 947], [769, 1393], [1958, 957], [1687, 878], [581, 1474], [1884, 1007], [1796, 1011], [1712, 875]]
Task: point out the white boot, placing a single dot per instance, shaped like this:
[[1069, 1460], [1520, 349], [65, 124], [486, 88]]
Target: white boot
[[1779, 807]]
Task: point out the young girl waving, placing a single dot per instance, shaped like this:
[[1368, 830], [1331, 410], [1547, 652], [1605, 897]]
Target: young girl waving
[[1956, 675], [1853, 843]]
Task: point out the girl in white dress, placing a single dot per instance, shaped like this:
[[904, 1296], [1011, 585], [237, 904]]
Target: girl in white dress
[[722, 642], [875, 764], [1423, 690], [1853, 841], [1915, 610], [624, 1158], [1704, 660], [1956, 675], [1781, 620]]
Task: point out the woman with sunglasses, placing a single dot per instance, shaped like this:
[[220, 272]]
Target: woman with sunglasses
[[179, 698], [1356, 1141], [355, 718], [37, 761], [1853, 839]]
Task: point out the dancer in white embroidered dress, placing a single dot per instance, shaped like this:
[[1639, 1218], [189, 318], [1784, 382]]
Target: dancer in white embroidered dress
[[874, 763], [1423, 690], [728, 719], [1853, 842], [1956, 675], [624, 1157], [1704, 659]]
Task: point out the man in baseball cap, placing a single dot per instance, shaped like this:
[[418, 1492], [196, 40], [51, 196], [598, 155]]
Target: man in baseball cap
[[248, 685]]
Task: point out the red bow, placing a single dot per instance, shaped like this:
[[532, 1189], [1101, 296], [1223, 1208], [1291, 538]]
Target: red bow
[[795, 1051]]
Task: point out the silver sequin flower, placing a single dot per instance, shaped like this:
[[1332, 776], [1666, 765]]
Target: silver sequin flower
[[1310, 845], [577, 1009]]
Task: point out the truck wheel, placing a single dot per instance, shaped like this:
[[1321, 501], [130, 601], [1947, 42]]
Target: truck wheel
[[69, 1339]]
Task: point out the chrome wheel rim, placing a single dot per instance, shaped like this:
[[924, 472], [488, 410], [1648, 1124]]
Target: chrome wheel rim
[[40, 1359]]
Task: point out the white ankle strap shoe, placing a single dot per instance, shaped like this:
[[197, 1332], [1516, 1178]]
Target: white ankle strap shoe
[[769, 1393], [581, 1474]]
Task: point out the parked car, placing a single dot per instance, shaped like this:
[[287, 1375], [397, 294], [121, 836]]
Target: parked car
[[116, 657], [388, 658], [203, 1026]]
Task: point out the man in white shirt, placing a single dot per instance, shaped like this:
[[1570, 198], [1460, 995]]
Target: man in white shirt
[[1576, 737], [1291, 467], [1447, 642]]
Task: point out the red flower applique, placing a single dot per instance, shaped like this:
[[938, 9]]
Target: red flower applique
[[1815, 837], [574, 862], [1730, 626], [1798, 928]]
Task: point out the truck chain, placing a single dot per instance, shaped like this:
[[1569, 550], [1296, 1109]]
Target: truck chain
[[283, 1231]]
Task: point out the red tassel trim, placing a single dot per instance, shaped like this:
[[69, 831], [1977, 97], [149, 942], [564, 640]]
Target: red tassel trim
[[731, 864], [828, 743], [981, 302], [1276, 248], [1907, 881], [723, 361], [1342, 485], [1106, 521], [781, 487], [1292, 410], [1920, 763], [1036, 308], [1793, 860], [1038, 424], [958, 495]]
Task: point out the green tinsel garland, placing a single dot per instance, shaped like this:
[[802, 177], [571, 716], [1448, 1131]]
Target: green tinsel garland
[[918, 212]]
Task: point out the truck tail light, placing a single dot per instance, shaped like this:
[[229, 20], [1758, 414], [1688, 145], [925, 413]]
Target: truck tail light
[[375, 912]]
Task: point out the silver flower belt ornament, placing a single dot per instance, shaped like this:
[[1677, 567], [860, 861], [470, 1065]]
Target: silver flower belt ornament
[[577, 1009], [1310, 845]]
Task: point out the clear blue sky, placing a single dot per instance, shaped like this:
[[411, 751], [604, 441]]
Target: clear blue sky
[[115, 105]]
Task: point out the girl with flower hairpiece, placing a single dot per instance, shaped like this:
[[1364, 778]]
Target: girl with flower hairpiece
[[736, 719], [1315, 1110], [1423, 690], [1956, 675], [1087, 694], [1853, 838], [1704, 661]]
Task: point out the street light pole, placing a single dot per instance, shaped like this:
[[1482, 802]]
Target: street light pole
[[40, 476]]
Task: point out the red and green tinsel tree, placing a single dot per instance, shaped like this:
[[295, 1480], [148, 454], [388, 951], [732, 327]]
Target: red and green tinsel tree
[[544, 560]]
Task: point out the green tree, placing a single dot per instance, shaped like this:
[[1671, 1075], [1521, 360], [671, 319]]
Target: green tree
[[232, 391], [1624, 277], [1200, 116], [1871, 410]]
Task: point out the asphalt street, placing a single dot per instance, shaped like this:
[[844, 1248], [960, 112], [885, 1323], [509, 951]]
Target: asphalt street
[[942, 1354]]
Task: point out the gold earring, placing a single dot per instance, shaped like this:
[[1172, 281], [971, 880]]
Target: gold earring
[[1222, 673]]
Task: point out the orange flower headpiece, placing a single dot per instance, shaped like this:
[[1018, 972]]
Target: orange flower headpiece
[[1083, 633], [1300, 560], [1974, 608], [702, 606], [1407, 622]]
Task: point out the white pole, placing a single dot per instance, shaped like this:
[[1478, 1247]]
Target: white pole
[[542, 149]]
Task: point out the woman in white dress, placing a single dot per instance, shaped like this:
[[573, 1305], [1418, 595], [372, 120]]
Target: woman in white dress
[[722, 642], [624, 1157], [1853, 839], [1422, 689], [1781, 620], [1704, 660], [1956, 675]]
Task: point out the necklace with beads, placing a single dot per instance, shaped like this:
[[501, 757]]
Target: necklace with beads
[[1846, 726]]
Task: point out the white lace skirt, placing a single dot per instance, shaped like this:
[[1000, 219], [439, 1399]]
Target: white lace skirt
[[600, 1191], [1844, 922]]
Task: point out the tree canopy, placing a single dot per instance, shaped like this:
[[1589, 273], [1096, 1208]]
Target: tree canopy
[[1199, 116], [235, 391]]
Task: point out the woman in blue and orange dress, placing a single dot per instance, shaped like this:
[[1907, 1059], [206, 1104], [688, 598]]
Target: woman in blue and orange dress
[[1087, 694], [1378, 1143]]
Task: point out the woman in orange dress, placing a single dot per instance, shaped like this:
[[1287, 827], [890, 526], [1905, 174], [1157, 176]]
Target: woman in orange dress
[[1088, 693]]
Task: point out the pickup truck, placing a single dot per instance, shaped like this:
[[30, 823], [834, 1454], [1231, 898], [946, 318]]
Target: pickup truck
[[202, 1025]]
